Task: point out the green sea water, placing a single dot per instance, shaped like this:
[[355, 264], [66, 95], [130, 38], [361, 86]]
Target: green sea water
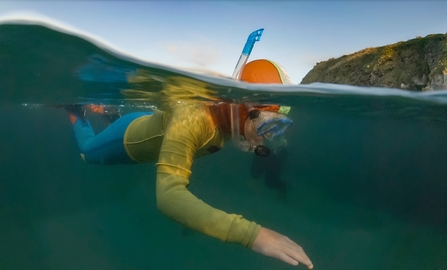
[[365, 169]]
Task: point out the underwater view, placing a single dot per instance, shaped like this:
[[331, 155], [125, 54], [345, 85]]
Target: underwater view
[[361, 183]]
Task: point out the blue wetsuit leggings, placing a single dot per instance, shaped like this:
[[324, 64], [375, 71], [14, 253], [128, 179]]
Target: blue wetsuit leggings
[[107, 147]]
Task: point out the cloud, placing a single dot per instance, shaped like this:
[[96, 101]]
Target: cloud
[[198, 53]]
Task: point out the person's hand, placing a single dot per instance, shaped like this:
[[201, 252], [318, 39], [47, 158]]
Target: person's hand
[[273, 244]]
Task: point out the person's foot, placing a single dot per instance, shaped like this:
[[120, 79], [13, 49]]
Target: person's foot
[[76, 111], [109, 113]]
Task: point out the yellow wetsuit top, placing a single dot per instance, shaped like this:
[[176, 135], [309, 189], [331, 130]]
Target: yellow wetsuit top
[[175, 139]]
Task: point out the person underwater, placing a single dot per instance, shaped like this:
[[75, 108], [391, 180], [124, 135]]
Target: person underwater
[[175, 137]]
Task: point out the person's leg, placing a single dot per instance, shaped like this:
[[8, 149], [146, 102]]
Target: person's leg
[[107, 147]]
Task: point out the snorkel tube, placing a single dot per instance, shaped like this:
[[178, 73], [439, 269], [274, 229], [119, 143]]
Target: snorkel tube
[[252, 38], [236, 136]]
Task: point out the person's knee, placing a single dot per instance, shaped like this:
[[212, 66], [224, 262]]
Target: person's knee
[[86, 146]]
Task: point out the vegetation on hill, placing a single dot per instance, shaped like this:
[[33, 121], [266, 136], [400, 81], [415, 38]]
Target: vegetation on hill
[[417, 64]]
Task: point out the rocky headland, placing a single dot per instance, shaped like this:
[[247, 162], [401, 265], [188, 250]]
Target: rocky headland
[[419, 64]]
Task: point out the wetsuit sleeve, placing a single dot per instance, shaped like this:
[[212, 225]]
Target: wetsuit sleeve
[[188, 130]]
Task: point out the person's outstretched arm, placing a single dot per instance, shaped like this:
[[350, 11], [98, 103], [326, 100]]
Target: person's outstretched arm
[[190, 128]]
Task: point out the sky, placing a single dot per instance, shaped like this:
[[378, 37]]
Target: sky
[[210, 35]]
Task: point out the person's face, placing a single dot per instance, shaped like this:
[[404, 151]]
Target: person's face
[[251, 133]]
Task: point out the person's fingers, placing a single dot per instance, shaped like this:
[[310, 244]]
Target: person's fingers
[[278, 253], [273, 244], [290, 260], [285, 258], [300, 257], [286, 255], [296, 252]]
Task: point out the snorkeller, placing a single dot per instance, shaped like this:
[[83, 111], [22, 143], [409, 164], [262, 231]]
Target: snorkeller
[[172, 139]]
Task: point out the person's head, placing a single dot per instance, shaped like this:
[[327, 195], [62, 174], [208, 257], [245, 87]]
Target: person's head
[[264, 71], [257, 127]]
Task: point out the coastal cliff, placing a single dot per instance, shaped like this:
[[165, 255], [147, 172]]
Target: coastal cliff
[[418, 64]]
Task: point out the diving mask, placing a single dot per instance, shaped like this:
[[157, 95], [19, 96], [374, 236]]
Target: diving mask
[[269, 124]]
